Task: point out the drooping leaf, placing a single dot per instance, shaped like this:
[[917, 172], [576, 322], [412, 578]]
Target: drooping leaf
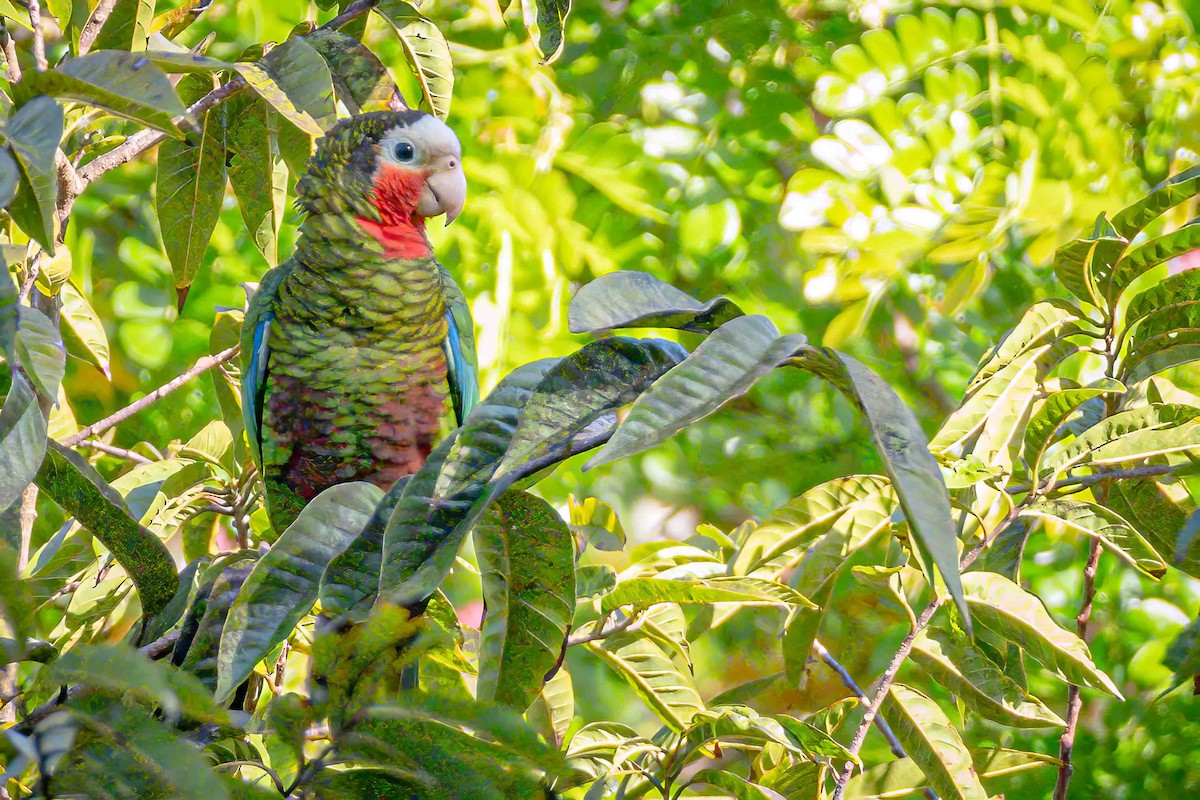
[[725, 365], [933, 744], [204, 622], [527, 567], [1146, 506], [191, 186], [1049, 417], [964, 670], [653, 676], [40, 351], [1082, 266], [915, 475], [545, 19], [87, 338], [1040, 324], [1106, 525], [1157, 251], [1131, 435], [1018, 616], [360, 78], [295, 80], [256, 169], [82, 493], [1171, 192], [10, 177], [352, 577], [127, 27], [33, 132], [126, 84], [284, 583], [644, 592], [22, 443], [427, 53], [632, 299]]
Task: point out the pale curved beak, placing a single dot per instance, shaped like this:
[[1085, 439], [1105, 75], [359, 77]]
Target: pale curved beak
[[445, 189]]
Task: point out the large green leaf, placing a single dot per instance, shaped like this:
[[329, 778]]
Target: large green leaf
[[191, 186], [362, 82], [545, 19], [82, 493], [284, 583], [295, 80], [1178, 292], [427, 53], [256, 169], [40, 351], [644, 592], [1149, 255], [1171, 192], [352, 577], [1048, 417], [631, 299], [127, 26], [22, 442], [932, 743], [1019, 617], [1040, 324], [915, 475], [725, 365], [33, 132], [737, 786], [964, 670], [903, 777], [653, 676], [1131, 435], [1146, 506], [527, 567], [84, 331], [125, 84], [10, 177], [1106, 525], [1083, 265], [200, 635]]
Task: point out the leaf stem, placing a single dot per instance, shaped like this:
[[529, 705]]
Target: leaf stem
[[203, 365]]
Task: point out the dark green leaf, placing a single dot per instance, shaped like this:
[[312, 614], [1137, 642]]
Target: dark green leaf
[[593, 580], [127, 26], [630, 299], [295, 80], [1083, 264], [22, 443], [360, 78], [427, 52], [1171, 192], [206, 619], [284, 583], [76, 487], [1106, 525], [33, 133], [1146, 506], [191, 186], [353, 576], [1183, 656], [527, 563], [256, 169], [40, 351], [10, 177], [725, 365], [125, 84], [84, 333], [545, 19], [1154, 252]]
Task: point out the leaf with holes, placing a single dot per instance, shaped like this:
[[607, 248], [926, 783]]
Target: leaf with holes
[[427, 53], [122, 83]]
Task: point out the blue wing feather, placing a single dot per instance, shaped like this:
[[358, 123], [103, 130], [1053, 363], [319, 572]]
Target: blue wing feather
[[460, 362], [254, 384]]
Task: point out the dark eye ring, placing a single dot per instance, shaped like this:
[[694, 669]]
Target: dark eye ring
[[405, 152]]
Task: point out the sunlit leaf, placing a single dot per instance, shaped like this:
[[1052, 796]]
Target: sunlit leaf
[[1106, 525], [1130, 435], [127, 26], [545, 19], [295, 80], [1049, 416], [1169, 193], [40, 351], [737, 786], [360, 78], [427, 53], [649, 671], [746, 591], [22, 441], [33, 132], [932, 743], [1157, 251]]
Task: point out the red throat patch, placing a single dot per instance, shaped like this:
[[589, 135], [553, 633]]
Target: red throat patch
[[401, 230]]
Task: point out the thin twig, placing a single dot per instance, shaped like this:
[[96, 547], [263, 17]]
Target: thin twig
[[272, 774], [128, 455], [599, 632], [39, 38], [10, 54], [91, 28], [1066, 745], [1085, 481], [849, 682], [201, 366]]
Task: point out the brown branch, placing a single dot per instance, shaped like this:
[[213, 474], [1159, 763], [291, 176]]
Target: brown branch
[[91, 28], [119, 452], [1091, 480], [10, 54], [39, 38], [849, 682], [1066, 744], [201, 366]]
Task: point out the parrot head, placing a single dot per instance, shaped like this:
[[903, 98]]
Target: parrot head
[[390, 171]]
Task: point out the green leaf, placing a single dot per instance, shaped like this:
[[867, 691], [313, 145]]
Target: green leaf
[[33, 133], [1178, 292], [427, 53], [1183, 656], [932, 743], [814, 742], [653, 676], [631, 299], [124, 671], [902, 777], [83, 494], [1019, 617], [40, 351], [22, 443], [644, 592], [1141, 260], [353, 576], [9, 315], [1168, 194], [1083, 264], [725, 365], [295, 80], [964, 670], [527, 567], [1041, 324], [737, 786], [284, 583], [1106, 525], [204, 622], [1050, 415], [191, 186], [86, 330], [257, 171], [362, 82], [554, 709], [1131, 435], [122, 83], [915, 475], [10, 177], [545, 19], [127, 26]]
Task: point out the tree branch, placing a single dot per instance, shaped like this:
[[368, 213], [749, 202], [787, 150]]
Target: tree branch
[[91, 28], [848, 681], [10, 53], [1085, 481], [116, 451], [203, 365], [39, 38], [1066, 744]]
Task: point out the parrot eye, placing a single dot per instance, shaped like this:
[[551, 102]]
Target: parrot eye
[[405, 152]]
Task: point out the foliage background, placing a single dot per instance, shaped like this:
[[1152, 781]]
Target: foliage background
[[694, 140]]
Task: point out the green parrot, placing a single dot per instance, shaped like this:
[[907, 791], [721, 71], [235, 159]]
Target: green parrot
[[357, 347]]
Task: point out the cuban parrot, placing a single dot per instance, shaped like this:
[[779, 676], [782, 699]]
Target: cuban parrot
[[357, 348]]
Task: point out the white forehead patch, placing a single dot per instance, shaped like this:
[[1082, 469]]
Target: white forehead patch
[[430, 137]]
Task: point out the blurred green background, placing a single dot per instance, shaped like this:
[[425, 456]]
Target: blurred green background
[[887, 177]]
